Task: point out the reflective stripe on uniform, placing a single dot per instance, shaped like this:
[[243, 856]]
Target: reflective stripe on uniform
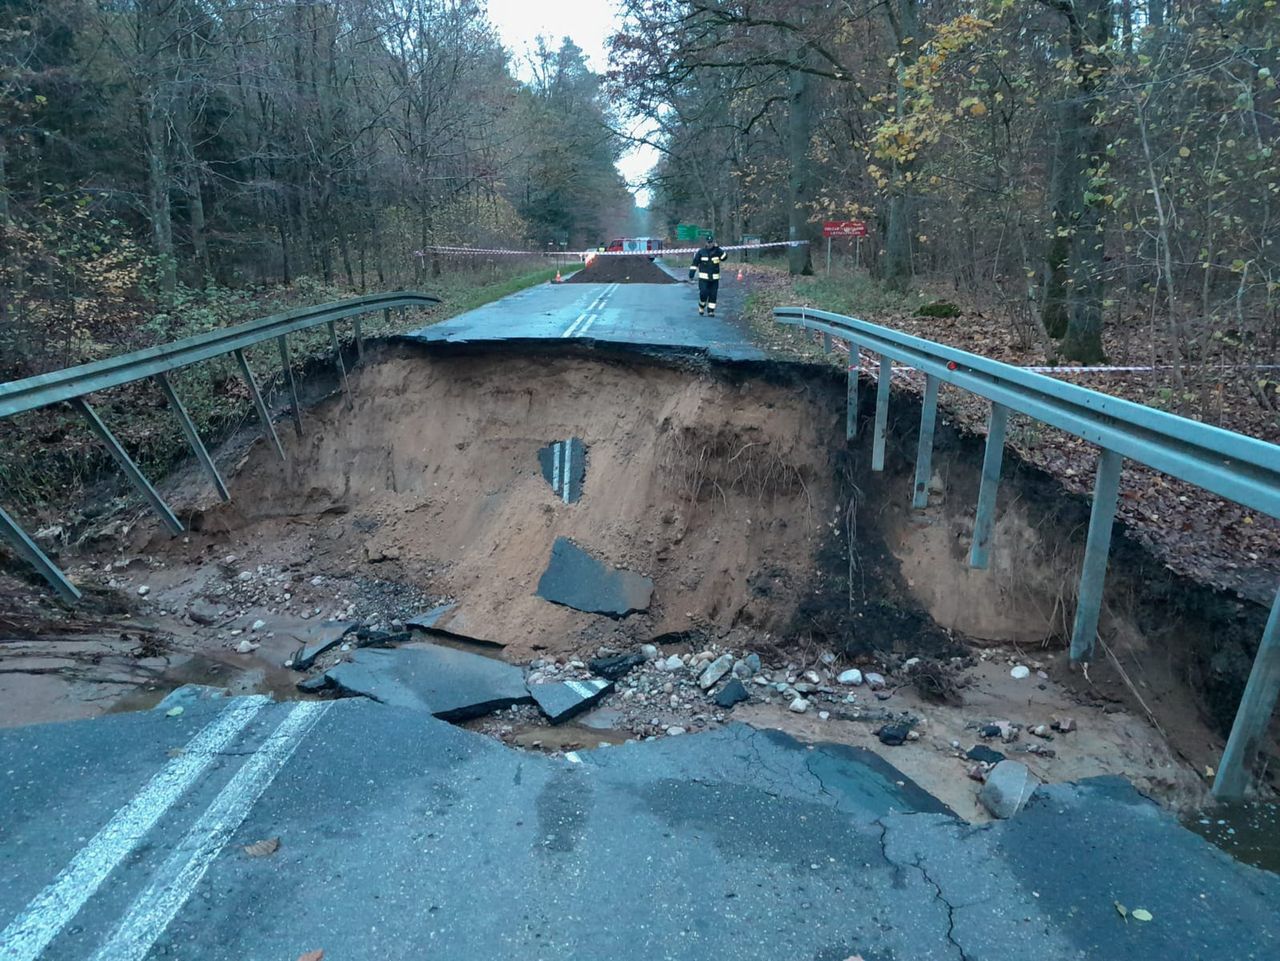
[[702, 276]]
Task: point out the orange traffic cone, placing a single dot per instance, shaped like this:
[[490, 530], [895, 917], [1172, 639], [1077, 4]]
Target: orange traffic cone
[[557, 280], [741, 275]]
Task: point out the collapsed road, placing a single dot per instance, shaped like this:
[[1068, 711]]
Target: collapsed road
[[421, 555]]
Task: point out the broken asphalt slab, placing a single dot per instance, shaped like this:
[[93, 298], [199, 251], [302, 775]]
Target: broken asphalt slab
[[564, 466], [318, 638], [574, 578], [447, 621], [450, 684], [561, 700], [406, 832]]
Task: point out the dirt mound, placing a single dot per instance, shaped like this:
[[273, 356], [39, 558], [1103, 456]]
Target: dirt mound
[[621, 270]]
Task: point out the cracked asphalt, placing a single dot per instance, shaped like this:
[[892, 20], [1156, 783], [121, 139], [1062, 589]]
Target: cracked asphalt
[[402, 836]]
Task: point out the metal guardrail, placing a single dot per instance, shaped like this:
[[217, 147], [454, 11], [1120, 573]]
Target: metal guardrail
[[1239, 468], [73, 384]]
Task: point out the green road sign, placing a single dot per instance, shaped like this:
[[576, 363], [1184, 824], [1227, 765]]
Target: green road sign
[[688, 231]]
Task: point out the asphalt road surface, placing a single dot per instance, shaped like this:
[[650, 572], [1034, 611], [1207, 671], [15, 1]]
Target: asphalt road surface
[[402, 836], [659, 316]]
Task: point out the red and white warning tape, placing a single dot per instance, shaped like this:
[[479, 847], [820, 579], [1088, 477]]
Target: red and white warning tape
[[511, 252]]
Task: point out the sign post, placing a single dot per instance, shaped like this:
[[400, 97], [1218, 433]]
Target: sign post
[[844, 228]]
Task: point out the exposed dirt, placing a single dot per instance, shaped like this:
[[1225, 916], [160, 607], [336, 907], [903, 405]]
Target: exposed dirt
[[614, 269], [729, 486]]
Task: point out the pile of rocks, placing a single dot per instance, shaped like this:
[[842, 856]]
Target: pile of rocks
[[1009, 733], [668, 694]]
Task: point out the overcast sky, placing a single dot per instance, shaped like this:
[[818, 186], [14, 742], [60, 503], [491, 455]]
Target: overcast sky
[[589, 23]]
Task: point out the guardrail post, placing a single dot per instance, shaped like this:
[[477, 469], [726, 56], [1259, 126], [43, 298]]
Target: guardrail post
[[1106, 490], [342, 368], [851, 395], [992, 458], [826, 342], [263, 414], [193, 437], [27, 549], [286, 362], [358, 328], [924, 449], [884, 385], [1253, 717], [127, 465]]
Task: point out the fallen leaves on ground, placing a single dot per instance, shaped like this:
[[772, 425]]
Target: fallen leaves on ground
[[264, 848], [316, 955], [1141, 914]]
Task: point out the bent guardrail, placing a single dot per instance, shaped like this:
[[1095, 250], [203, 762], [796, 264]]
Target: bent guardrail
[[1239, 468], [73, 384]]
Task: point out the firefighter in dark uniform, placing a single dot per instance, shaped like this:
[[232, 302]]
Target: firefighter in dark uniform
[[706, 267]]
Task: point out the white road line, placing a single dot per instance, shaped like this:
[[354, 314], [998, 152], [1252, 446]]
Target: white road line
[[574, 326], [153, 910], [567, 473], [50, 910], [585, 688], [595, 305], [587, 326], [555, 467]]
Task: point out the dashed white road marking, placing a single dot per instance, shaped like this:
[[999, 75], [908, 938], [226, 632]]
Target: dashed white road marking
[[573, 329], [153, 910], [30, 932], [555, 467]]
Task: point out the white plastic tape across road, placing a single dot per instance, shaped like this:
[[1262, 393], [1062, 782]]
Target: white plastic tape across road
[[512, 252]]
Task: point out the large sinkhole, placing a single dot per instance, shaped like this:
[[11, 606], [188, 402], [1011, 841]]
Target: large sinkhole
[[445, 474], [540, 509]]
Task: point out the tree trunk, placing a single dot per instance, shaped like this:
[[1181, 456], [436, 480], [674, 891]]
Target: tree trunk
[[1089, 23], [799, 133], [905, 21], [4, 184], [1062, 180], [195, 202], [158, 209]]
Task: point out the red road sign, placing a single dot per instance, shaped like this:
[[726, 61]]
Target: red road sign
[[844, 228]]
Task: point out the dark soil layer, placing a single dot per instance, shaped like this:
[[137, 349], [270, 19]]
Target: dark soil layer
[[611, 269]]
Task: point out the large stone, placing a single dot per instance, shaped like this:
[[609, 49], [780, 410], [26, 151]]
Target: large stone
[[715, 670], [453, 685], [561, 700], [980, 752], [851, 677], [732, 693], [575, 579], [615, 667], [1009, 786], [202, 612]]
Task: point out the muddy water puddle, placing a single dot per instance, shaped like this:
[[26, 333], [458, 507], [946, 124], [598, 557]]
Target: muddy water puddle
[[1248, 831], [236, 679]]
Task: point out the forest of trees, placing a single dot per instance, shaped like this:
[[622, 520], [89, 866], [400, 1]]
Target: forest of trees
[[1081, 166], [149, 147], [1072, 162]]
